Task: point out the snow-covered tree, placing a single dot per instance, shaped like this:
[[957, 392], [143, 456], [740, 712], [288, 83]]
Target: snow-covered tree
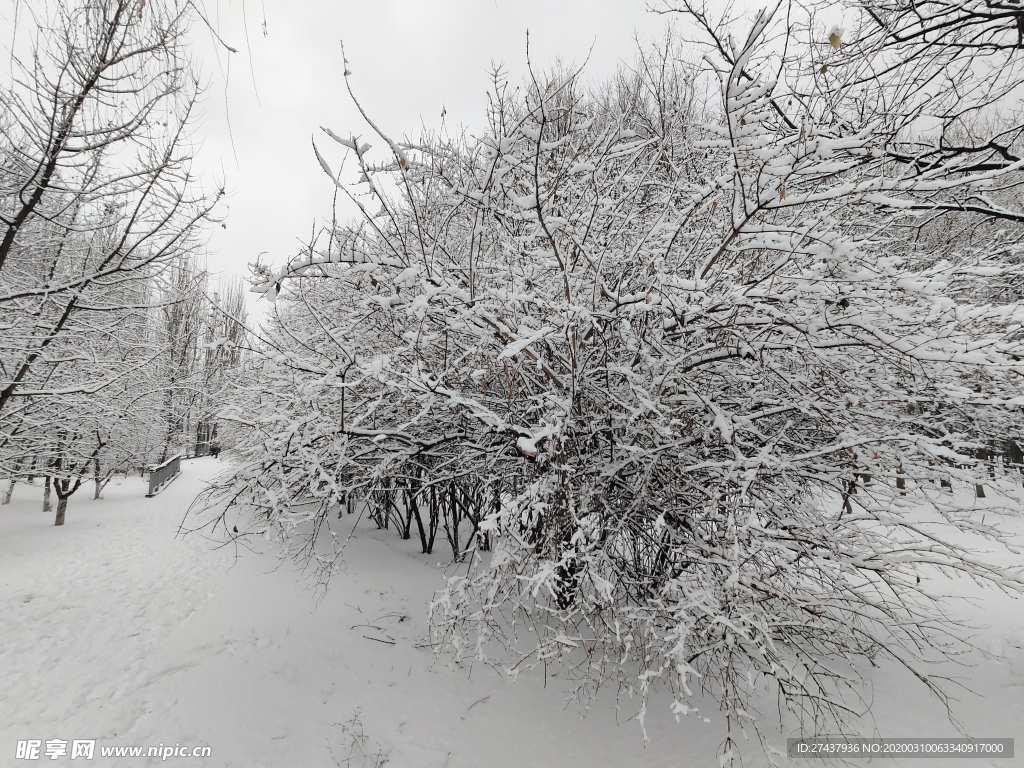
[[179, 336], [97, 203], [223, 342], [200, 330], [705, 357]]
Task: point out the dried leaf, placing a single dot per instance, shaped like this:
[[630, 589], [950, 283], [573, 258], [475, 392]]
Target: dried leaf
[[834, 40]]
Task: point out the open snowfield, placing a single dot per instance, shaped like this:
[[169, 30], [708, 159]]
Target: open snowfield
[[114, 629]]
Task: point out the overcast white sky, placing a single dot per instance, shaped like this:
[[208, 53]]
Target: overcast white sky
[[409, 58]]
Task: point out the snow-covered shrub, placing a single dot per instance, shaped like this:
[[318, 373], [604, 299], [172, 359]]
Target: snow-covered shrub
[[700, 372]]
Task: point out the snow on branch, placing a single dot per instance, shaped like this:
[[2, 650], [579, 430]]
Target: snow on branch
[[701, 371]]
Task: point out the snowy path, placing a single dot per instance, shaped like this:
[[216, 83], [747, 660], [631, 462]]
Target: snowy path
[[115, 630], [88, 609]]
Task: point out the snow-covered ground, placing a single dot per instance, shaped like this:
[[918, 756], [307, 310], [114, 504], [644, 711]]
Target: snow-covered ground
[[115, 629]]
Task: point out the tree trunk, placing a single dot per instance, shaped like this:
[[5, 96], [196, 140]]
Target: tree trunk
[[62, 505], [452, 532], [415, 507], [168, 410], [96, 478], [46, 494], [10, 483], [64, 490]]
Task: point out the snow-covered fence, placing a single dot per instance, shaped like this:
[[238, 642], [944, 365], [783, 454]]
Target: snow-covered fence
[[161, 475]]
